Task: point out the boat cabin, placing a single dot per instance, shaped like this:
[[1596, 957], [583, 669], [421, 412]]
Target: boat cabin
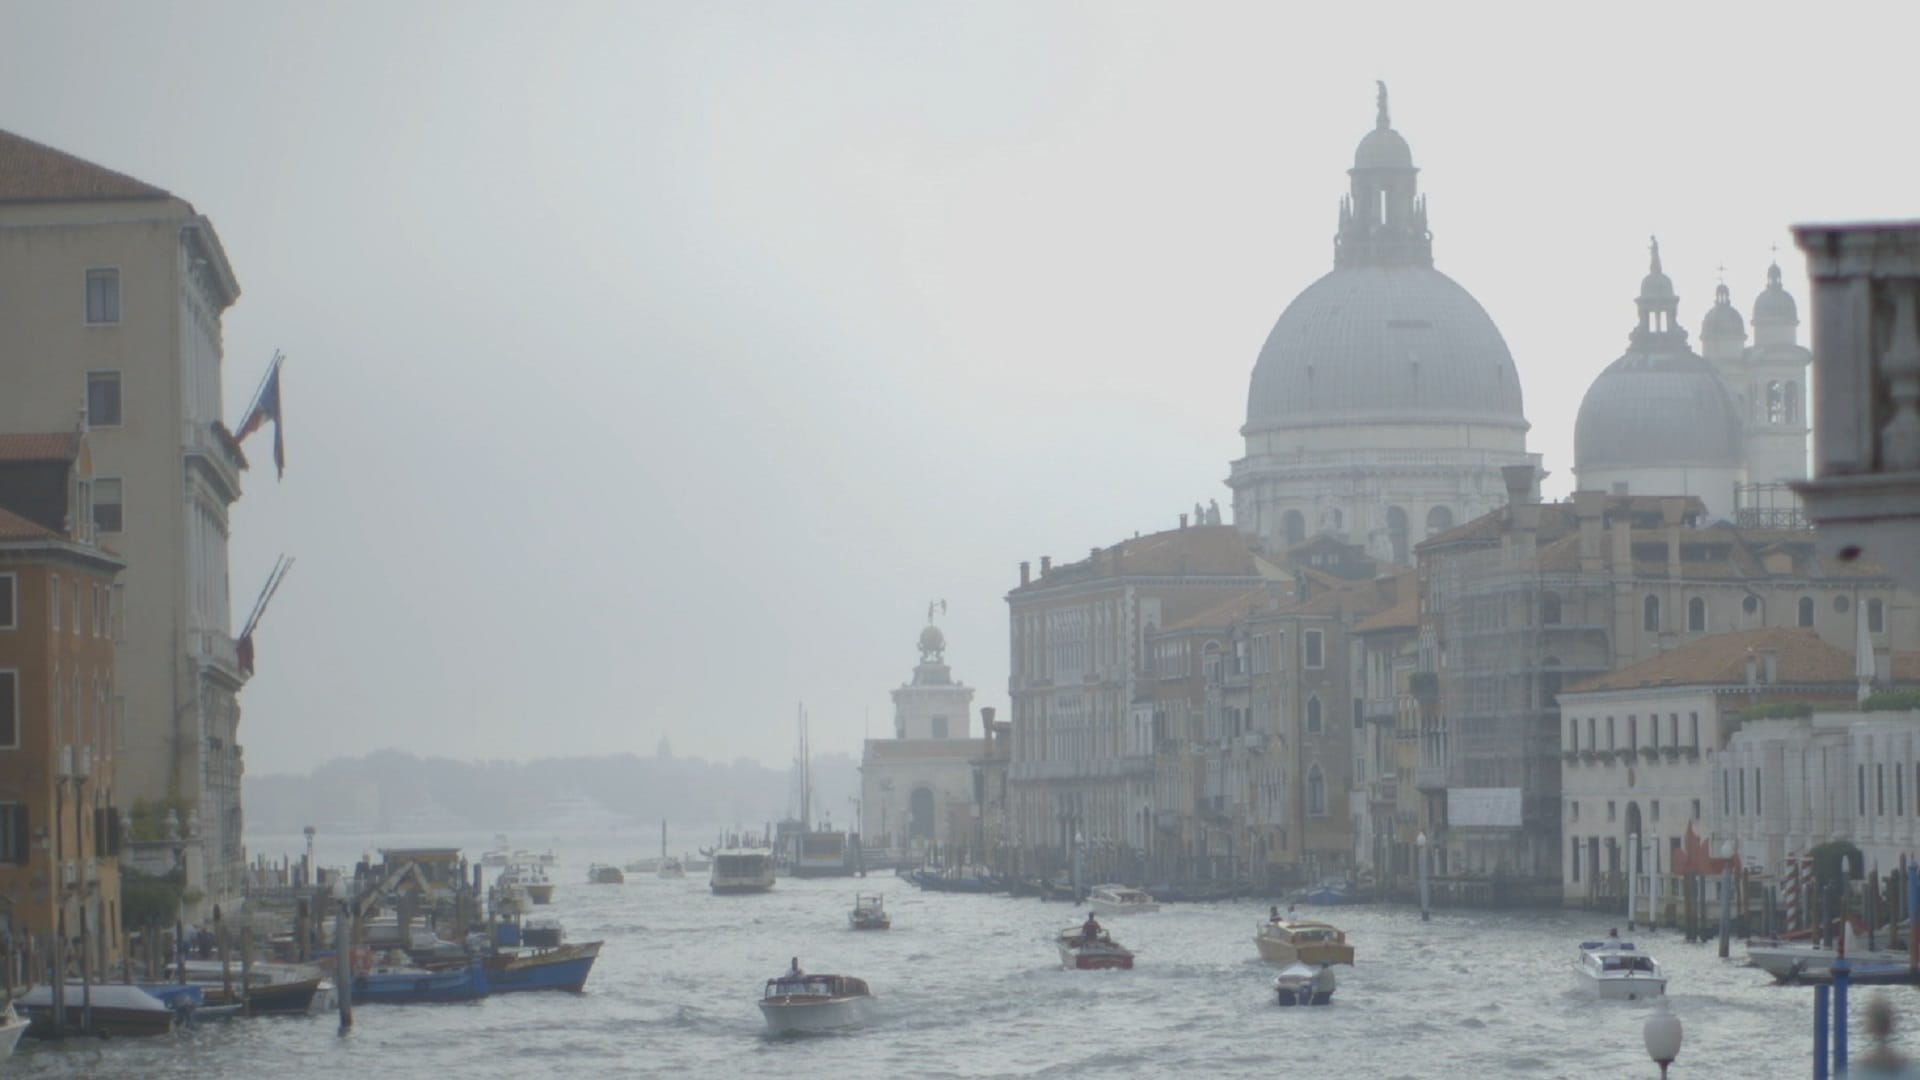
[[815, 986]]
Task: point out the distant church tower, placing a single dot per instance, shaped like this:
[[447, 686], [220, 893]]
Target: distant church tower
[[1776, 368], [932, 706], [1384, 403]]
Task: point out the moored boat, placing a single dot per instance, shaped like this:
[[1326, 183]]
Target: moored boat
[[744, 871], [800, 1003], [1302, 941], [532, 879], [118, 1010], [12, 1026], [406, 985], [1120, 900], [1613, 970], [605, 874], [869, 913], [563, 967], [672, 868], [1304, 984], [1081, 951]]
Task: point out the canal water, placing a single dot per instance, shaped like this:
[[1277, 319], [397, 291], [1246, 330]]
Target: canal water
[[970, 986]]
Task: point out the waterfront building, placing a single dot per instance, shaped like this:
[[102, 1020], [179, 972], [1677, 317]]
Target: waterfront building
[[1385, 402], [111, 293], [1533, 598], [60, 825], [1082, 768], [1389, 811], [1643, 751], [1728, 427], [917, 788]]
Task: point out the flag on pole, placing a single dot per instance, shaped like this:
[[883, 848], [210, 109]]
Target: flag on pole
[[267, 407]]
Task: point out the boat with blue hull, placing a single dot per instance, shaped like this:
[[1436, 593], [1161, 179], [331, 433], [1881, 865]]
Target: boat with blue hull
[[563, 967], [413, 985]]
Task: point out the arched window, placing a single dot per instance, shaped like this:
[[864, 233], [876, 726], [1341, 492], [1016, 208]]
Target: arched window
[[1397, 533], [1550, 609], [1439, 520], [1696, 615], [1776, 402], [1316, 791], [1793, 403], [1750, 603], [1806, 611], [1294, 524], [1650, 614], [1314, 724]]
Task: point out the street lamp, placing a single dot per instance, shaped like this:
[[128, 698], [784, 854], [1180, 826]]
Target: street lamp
[[1420, 843], [1662, 1035]]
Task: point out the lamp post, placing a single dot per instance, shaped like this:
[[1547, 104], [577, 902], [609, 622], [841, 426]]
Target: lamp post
[[1420, 844], [1662, 1035]]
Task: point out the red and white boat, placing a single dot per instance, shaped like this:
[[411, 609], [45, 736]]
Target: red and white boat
[[1080, 952]]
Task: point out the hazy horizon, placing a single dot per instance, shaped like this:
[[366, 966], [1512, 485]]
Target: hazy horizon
[[651, 367]]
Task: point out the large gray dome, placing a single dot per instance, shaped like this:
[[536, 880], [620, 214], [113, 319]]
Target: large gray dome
[[1652, 410], [1384, 344]]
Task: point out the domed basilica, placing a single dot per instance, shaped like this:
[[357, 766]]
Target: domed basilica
[[1728, 424], [1385, 402]]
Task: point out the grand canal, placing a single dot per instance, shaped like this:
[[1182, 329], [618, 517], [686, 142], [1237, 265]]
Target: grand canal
[[970, 986]]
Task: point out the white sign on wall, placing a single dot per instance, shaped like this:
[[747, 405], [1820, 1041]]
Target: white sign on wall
[[1489, 807]]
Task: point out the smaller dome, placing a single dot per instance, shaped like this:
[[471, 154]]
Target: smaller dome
[[1722, 320], [1775, 304], [1383, 148], [1654, 410]]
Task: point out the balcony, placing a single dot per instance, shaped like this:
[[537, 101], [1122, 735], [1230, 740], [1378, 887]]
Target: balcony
[[215, 455], [1377, 711], [1166, 820], [216, 650], [1386, 791], [1430, 777]]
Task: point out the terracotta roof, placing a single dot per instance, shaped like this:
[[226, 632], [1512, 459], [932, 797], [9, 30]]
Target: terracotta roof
[[1403, 615], [1721, 659], [15, 527], [879, 750], [39, 446], [33, 172], [1204, 550], [1225, 613]]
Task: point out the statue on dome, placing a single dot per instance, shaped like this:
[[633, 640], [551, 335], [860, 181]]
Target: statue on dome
[[1381, 120]]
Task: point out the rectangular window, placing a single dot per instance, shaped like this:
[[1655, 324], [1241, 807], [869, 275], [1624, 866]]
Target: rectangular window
[[1880, 791], [1696, 809], [1573, 811], [1756, 790], [9, 606], [1314, 653], [9, 709], [1693, 722], [1876, 617], [1592, 743], [1899, 791], [103, 399], [1576, 860], [1655, 810], [1743, 792], [1726, 792], [1610, 742], [103, 296], [1610, 810], [1860, 786], [53, 596], [1633, 733], [14, 835]]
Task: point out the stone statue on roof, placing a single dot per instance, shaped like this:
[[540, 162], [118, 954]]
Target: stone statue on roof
[[1380, 121]]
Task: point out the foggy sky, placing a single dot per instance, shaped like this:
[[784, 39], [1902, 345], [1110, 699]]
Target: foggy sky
[[651, 366]]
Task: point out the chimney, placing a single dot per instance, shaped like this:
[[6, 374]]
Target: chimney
[[1522, 508], [1026, 572], [1046, 565], [1672, 513], [1590, 508], [986, 716], [1183, 521]]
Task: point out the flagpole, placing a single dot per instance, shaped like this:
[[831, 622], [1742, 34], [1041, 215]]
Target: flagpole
[[272, 364]]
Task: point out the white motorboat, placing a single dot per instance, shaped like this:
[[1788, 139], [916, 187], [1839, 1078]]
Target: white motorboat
[[869, 913], [799, 1003], [1120, 900], [1809, 961], [1613, 970], [744, 871], [532, 878], [1304, 984], [672, 868], [12, 1026]]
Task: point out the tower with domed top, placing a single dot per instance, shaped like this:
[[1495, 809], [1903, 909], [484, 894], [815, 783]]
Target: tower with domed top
[[1385, 402]]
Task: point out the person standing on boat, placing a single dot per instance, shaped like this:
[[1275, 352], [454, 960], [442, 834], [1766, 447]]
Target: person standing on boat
[[793, 971], [1090, 930]]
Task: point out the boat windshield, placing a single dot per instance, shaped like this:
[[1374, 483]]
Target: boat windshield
[[803, 986]]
